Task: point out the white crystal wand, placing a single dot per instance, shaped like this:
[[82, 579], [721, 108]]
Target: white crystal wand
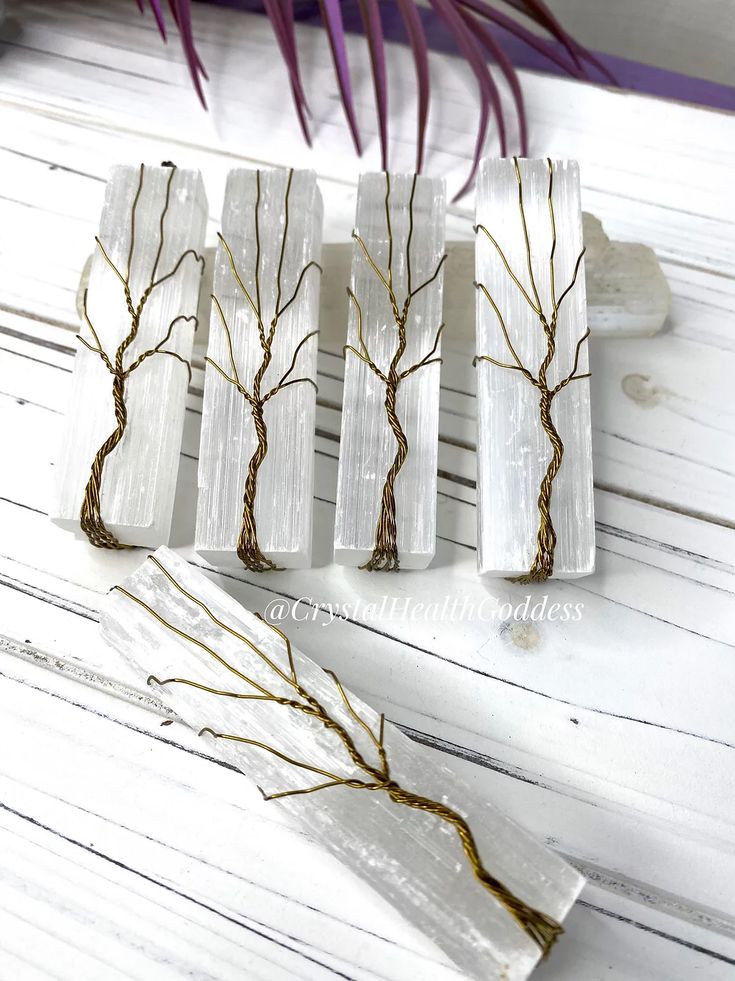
[[543, 929], [385, 556], [90, 516], [255, 392], [543, 563]]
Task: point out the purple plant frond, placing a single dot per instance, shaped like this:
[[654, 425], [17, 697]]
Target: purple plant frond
[[417, 39], [373, 27], [280, 15], [495, 50], [489, 96], [332, 17], [466, 22], [483, 9]]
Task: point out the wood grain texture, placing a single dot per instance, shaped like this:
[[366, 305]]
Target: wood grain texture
[[126, 851]]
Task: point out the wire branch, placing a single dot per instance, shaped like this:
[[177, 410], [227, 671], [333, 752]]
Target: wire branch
[[573, 376], [170, 275], [243, 288], [428, 358], [309, 265], [430, 280], [159, 349], [283, 382]]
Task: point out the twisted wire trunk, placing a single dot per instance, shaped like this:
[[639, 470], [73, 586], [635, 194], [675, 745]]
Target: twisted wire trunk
[[543, 929], [385, 551], [543, 563], [90, 515], [248, 549]]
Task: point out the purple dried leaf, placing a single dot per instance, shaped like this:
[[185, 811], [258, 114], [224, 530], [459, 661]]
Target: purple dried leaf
[[572, 45], [158, 14], [417, 39], [495, 50], [373, 27], [290, 34], [332, 17], [181, 12], [538, 12], [278, 14], [489, 95], [523, 34]]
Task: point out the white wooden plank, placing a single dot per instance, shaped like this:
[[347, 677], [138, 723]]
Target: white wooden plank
[[103, 843], [607, 737]]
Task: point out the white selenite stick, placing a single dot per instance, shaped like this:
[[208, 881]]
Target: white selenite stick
[[406, 260], [138, 480], [412, 858], [285, 208], [514, 449]]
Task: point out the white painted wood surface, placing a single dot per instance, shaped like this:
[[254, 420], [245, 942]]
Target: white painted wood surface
[[126, 851]]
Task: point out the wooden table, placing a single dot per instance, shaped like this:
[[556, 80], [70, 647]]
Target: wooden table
[[125, 850]]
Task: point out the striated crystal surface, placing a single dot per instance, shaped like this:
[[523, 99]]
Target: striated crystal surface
[[513, 450], [367, 444], [411, 858], [139, 476], [283, 503]]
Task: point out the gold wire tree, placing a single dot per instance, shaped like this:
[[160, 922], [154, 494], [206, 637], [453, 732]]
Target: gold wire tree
[[285, 689], [90, 516], [543, 563], [385, 556], [258, 395]]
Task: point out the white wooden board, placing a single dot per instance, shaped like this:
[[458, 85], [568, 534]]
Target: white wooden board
[[126, 851]]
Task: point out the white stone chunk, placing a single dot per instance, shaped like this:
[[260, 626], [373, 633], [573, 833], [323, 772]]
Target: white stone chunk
[[368, 446], [411, 858], [284, 482], [139, 475], [627, 292], [514, 450]]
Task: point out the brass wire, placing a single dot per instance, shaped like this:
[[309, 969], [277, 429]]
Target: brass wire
[[542, 566], [248, 549], [385, 556], [543, 929], [90, 516]]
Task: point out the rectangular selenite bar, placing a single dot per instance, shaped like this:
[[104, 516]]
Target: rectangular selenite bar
[[514, 449], [138, 481], [368, 445], [411, 858], [285, 477]]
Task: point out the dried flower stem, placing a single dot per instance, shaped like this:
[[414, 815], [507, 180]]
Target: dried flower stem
[[543, 563], [363, 774], [90, 515], [248, 549], [385, 551]]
